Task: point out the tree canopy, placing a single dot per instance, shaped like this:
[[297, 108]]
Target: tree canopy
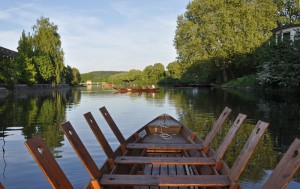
[[40, 57], [221, 30]]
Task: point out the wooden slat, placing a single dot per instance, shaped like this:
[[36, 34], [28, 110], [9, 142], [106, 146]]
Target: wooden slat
[[47, 163], [286, 168], [99, 135], [149, 146], [155, 171], [217, 126], [81, 151], [172, 171], [247, 150], [163, 171], [112, 125], [165, 160], [94, 184], [165, 180], [180, 171], [229, 136]]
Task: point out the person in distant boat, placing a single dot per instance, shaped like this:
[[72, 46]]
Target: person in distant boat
[[147, 87], [153, 86]]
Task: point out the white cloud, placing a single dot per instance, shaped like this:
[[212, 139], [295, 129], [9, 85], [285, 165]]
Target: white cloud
[[120, 36]]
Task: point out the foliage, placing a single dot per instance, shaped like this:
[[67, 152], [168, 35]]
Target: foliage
[[217, 31], [8, 72], [40, 56], [76, 77], [98, 76], [245, 81], [281, 64], [174, 70], [288, 12], [26, 67], [47, 43], [153, 74], [45, 68], [72, 75], [118, 78]]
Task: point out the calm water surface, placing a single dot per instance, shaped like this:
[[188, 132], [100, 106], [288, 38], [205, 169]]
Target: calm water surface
[[24, 115]]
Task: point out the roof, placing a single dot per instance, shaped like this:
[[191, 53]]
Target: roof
[[285, 27]]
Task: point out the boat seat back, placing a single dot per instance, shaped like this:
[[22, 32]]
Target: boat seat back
[[217, 126], [113, 125], [229, 136], [247, 150], [80, 150], [47, 163], [99, 135], [286, 168], [1, 186]]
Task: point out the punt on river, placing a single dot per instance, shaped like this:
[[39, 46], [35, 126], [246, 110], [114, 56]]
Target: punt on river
[[163, 154]]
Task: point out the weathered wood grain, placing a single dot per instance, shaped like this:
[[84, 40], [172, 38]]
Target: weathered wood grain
[[47, 163], [286, 168], [247, 150], [81, 151]]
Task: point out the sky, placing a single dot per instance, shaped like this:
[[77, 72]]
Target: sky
[[100, 35]]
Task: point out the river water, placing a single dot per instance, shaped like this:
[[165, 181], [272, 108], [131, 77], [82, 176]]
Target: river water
[[27, 114]]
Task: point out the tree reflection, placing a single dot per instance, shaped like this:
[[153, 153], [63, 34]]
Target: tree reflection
[[199, 108], [38, 113]]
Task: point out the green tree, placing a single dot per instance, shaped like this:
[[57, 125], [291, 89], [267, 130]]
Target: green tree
[[135, 76], [26, 69], [47, 47], [155, 73], [8, 71], [76, 76], [288, 12], [280, 64], [45, 68], [174, 70], [221, 30]]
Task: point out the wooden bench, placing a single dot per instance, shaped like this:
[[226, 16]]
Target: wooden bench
[[165, 180], [148, 146], [165, 160]]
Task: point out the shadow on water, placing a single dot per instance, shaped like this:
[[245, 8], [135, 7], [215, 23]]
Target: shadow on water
[[199, 108]]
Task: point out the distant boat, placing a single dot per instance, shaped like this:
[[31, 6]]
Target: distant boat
[[136, 90]]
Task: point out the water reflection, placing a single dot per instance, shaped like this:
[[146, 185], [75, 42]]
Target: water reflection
[[37, 113], [26, 114]]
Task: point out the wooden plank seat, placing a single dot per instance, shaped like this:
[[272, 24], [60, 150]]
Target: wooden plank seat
[[165, 160], [164, 146], [165, 180]]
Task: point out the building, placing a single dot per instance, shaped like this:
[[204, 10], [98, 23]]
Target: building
[[88, 82], [291, 32], [7, 54]]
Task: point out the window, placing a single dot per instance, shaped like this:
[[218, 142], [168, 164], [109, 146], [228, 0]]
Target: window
[[286, 35], [297, 34]]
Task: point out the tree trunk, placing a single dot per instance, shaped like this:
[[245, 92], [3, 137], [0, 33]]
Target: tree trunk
[[225, 76]]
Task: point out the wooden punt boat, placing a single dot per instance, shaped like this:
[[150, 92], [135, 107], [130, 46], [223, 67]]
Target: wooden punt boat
[[136, 90], [163, 154]]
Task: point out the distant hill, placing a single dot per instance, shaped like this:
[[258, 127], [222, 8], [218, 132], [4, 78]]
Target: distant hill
[[98, 76]]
